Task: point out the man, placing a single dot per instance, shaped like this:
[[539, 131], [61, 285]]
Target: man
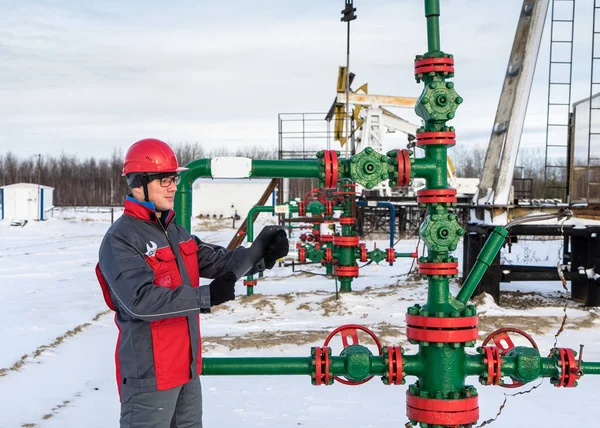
[[149, 271]]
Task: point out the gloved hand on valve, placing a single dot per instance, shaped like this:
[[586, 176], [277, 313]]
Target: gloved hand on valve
[[273, 242]]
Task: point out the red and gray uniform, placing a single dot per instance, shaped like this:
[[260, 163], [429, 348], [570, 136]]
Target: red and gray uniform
[[149, 272]]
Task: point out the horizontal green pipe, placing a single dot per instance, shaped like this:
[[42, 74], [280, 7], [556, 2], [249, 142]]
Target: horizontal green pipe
[[409, 255], [309, 168], [238, 366], [423, 168], [484, 260], [413, 365], [590, 368], [253, 366]]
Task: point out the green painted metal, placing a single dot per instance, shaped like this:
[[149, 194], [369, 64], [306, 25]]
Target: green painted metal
[[432, 12], [484, 260], [441, 232], [377, 255], [369, 168], [438, 101]]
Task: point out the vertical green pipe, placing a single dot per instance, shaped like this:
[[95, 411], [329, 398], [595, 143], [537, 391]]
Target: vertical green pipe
[[183, 195], [250, 231], [438, 293], [445, 368], [432, 12], [484, 260]]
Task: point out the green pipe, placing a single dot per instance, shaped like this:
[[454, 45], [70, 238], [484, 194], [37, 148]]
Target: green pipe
[[432, 12], [253, 366], [484, 260], [308, 168], [440, 377], [432, 167], [407, 255], [590, 368], [445, 368], [255, 210]]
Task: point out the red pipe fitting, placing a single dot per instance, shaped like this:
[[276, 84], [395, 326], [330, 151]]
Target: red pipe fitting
[[391, 255], [494, 362], [322, 363], [431, 268], [347, 271], [302, 255], [441, 330], [436, 196], [404, 166], [463, 411], [301, 209], [363, 252], [331, 168], [427, 138], [346, 241], [434, 65], [394, 373], [570, 372], [349, 221]]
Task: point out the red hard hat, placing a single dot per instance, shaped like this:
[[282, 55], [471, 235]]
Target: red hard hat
[[152, 156]]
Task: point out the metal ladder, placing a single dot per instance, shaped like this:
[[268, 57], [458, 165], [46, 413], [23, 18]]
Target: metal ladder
[[560, 76], [593, 166]]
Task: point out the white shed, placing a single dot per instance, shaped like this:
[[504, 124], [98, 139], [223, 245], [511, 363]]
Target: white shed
[[26, 201]]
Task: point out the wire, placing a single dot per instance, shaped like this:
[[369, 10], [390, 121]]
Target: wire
[[562, 213]]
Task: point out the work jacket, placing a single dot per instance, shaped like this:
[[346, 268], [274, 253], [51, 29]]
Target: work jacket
[[149, 271]]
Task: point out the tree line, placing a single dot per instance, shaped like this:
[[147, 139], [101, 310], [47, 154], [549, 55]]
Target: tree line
[[92, 181], [98, 182]]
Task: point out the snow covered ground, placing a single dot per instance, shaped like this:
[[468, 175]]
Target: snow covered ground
[[57, 366]]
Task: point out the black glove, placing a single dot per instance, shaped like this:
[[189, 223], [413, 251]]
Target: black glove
[[222, 289], [273, 243]]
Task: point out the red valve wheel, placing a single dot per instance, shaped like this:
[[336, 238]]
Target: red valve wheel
[[350, 330], [314, 194], [504, 343]]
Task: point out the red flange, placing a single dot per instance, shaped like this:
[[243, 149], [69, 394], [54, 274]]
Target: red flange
[[433, 411], [331, 168], [442, 330], [430, 268], [250, 283], [391, 255], [322, 363], [503, 341], [569, 372], [436, 196], [346, 241], [302, 255], [395, 374], [350, 331], [346, 271], [494, 363], [327, 238], [301, 209], [427, 138], [328, 255], [404, 165], [363, 252], [434, 65], [346, 220], [328, 208]]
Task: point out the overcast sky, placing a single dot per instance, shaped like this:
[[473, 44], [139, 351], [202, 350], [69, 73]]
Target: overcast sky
[[87, 77]]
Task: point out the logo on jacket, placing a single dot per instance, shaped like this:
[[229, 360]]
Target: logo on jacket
[[151, 249]]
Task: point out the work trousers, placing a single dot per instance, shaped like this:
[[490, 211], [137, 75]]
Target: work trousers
[[179, 407]]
